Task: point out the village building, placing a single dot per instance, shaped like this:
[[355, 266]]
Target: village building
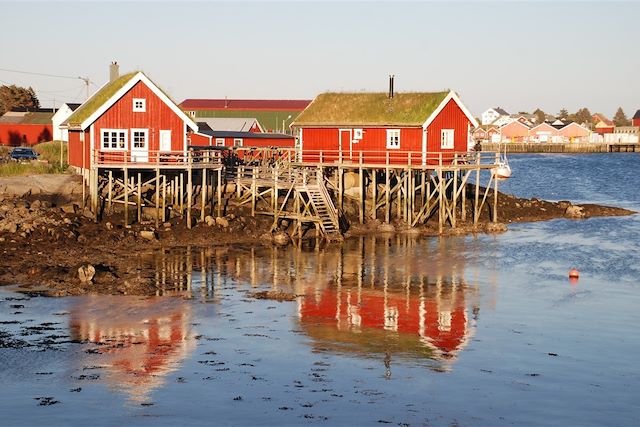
[[274, 115], [574, 132], [544, 132], [60, 116], [130, 119], [486, 133], [231, 124], [604, 126], [635, 120], [514, 132], [22, 127], [225, 138], [377, 128], [492, 114]]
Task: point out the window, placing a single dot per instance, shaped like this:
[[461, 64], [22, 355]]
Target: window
[[219, 142], [114, 139], [393, 138], [357, 134], [446, 138], [139, 138], [237, 142], [139, 105]]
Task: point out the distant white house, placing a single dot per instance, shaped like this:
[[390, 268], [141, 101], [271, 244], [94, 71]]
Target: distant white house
[[59, 117], [492, 114]]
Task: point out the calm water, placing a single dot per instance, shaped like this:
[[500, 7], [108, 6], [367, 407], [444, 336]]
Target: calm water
[[471, 331]]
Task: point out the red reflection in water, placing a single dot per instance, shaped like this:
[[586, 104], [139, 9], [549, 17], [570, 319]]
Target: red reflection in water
[[140, 340]]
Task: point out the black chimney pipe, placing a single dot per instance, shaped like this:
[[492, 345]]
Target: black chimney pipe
[[392, 84]]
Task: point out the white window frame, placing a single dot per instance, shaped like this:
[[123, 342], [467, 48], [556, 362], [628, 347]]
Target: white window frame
[[238, 142], [110, 132], [393, 139], [164, 132], [357, 135], [146, 138], [142, 108], [447, 140], [220, 142]]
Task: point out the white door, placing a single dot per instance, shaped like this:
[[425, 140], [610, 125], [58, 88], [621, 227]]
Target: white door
[[165, 140], [139, 145]]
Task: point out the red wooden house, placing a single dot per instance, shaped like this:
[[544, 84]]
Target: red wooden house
[[129, 119], [376, 128], [635, 120], [26, 127]]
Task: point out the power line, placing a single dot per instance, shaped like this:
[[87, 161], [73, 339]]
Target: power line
[[40, 74]]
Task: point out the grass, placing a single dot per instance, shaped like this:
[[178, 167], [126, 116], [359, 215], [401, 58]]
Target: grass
[[49, 161], [377, 109]]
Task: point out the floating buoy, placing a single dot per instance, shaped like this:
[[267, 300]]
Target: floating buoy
[[574, 274]]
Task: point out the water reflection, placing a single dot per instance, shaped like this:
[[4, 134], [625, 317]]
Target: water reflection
[[138, 340], [393, 295]]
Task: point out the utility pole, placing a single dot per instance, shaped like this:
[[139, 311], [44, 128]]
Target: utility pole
[[86, 82]]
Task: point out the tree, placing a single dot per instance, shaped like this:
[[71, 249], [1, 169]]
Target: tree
[[563, 114], [15, 96], [620, 118], [584, 116], [540, 115]]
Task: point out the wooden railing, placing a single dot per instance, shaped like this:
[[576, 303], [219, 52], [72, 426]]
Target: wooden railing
[[191, 157]]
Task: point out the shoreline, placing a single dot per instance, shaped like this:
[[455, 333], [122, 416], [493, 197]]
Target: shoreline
[[561, 148], [44, 244]]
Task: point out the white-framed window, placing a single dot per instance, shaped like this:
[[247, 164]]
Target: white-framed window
[[237, 142], [113, 139], [139, 105], [219, 142], [139, 138], [357, 134], [192, 114], [393, 138], [446, 138]]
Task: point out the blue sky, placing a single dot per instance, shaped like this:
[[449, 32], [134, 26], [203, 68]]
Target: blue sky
[[518, 55]]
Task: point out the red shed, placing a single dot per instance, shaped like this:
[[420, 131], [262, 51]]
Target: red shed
[[130, 118], [26, 127], [635, 120], [401, 128]]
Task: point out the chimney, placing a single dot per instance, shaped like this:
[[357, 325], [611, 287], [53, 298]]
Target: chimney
[[391, 77], [114, 71]]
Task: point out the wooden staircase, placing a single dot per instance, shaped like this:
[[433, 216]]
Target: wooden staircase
[[324, 208]]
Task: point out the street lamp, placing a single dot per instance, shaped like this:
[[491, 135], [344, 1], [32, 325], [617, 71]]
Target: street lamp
[[283, 131]]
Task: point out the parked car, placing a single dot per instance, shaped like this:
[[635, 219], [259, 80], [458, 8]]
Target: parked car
[[23, 153]]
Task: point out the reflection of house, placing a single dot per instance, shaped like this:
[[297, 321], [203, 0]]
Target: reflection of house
[[63, 113], [431, 320], [140, 340], [26, 127]]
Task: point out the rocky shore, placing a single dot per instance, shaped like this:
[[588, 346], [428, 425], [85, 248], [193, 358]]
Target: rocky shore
[[51, 246]]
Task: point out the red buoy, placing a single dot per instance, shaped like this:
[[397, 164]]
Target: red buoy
[[574, 274]]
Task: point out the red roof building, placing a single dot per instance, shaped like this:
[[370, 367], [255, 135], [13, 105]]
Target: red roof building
[[21, 128], [379, 128]]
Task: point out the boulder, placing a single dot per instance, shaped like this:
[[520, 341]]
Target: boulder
[[222, 222], [576, 212], [148, 234], [209, 220], [108, 226], [496, 227], [280, 238], [69, 209], [564, 204], [386, 228], [86, 273]]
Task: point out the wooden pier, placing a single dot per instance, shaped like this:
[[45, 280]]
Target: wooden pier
[[303, 194]]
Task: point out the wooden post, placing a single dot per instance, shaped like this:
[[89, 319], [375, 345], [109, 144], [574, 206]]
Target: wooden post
[[463, 217], [340, 186], [181, 193], [110, 191], [495, 199], [189, 193], [410, 197], [253, 194], [219, 190], [440, 202], [126, 196], [203, 193], [374, 192], [361, 185], [164, 198], [157, 197], [476, 208], [455, 198], [387, 197], [139, 197]]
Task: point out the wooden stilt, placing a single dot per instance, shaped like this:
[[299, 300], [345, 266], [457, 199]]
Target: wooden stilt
[[203, 193], [362, 191], [219, 190], [157, 197], [387, 196], [181, 193], [189, 195], [440, 202], [164, 198], [374, 193], [110, 191], [139, 197], [495, 199], [126, 197]]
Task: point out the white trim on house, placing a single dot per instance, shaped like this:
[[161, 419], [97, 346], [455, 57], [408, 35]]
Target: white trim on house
[[140, 77], [139, 154], [238, 142], [424, 146], [447, 139], [220, 142], [124, 132], [445, 101], [139, 105], [393, 139]]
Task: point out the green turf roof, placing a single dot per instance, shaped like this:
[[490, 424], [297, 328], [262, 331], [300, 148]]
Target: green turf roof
[[374, 109], [98, 99]]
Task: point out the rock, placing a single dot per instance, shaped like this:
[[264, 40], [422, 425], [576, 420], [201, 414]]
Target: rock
[[166, 225], [9, 226], [280, 238], [232, 216], [37, 204], [222, 222], [88, 214], [81, 239], [564, 204], [109, 226], [575, 212], [86, 273], [67, 220], [496, 227], [149, 235], [209, 220], [22, 204], [386, 228], [69, 209]]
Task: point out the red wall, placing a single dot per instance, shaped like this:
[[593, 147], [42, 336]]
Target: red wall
[[373, 144], [260, 142], [75, 148], [635, 122], [24, 134]]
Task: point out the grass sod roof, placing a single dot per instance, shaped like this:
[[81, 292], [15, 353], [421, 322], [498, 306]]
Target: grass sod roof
[[98, 99], [370, 109]]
